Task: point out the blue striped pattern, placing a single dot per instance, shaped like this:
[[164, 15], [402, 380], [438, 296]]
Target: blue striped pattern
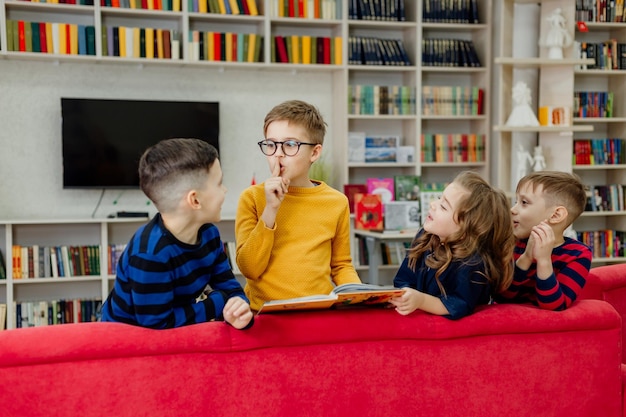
[[159, 279]]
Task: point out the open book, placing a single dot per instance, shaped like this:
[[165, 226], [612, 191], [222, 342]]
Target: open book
[[342, 295]]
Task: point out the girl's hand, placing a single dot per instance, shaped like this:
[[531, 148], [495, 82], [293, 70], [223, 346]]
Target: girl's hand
[[408, 302]]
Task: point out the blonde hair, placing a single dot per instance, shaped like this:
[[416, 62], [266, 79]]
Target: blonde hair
[[559, 189], [486, 229], [302, 114]]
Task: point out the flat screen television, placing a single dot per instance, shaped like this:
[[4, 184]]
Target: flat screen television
[[103, 139]]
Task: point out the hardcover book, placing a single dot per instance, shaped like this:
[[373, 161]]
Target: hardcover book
[[381, 149], [350, 190], [406, 187], [352, 294], [383, 186], [368, 211], [402, 215]]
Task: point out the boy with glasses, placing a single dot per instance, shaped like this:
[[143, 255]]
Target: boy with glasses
[[292, 232]]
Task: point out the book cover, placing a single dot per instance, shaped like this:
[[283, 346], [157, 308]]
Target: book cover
[[383, 186], [368, 211], [381, 148], [406, 187], [346, 295], [350, 190], [356, 146], [402, 215]]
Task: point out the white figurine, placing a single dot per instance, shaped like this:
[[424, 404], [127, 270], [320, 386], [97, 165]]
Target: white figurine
[[524, 160], [538, 161], [522, 114], [558, 37]]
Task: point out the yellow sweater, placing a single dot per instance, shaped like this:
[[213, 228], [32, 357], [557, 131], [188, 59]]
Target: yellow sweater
[[308, 247]]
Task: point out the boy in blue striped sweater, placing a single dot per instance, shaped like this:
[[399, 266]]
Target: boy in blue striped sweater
[[550, 269], [167, 265]]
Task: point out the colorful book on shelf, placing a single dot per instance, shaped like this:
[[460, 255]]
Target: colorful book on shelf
[[356, 146], [350, 190], [383, 186], [381, 148], [402, 215], [368, 211], [406, 187], [346, 295]]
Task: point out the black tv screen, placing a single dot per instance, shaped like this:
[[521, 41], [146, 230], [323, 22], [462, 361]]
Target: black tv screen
[[103, 139]]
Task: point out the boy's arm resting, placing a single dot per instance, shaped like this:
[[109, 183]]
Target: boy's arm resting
[[559, 291], [254, 239]]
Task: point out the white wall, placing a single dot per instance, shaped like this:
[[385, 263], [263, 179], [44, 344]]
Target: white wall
[[30, 126]]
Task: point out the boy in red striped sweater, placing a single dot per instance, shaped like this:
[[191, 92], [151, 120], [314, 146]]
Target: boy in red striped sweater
[[550, 269]]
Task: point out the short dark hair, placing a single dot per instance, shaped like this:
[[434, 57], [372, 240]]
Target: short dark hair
[[171, 161], [560, 189]]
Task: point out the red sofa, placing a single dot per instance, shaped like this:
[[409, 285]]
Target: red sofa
[[504, 360]]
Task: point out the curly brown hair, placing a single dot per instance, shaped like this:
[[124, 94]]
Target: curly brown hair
[[486, 229]]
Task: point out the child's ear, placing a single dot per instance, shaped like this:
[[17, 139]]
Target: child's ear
[[192, 199], [559, 215], [317, 152]]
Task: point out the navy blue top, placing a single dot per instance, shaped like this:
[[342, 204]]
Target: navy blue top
[[465, 286], [159, 279]]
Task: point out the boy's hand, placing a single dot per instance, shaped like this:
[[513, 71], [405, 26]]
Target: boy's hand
[[543, 237], [237, 312], [276, 187]]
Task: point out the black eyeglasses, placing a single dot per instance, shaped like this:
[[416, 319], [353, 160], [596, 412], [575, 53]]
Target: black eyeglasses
[[289, 147]]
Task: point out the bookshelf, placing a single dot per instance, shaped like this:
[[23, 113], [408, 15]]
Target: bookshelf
[[597, 77], [69, 232], [52, 233], [418, 76], [335, 22], [555, 86]]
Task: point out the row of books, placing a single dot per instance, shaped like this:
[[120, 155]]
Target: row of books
[[307, 9], [47, 313], [600, 11], [169, 5], [387, 10], [234, 7], [452, 101], [606, 151], [53, 38], [38, 261], [381, 99], [136, 42], [607, 55], [55, 261], [307, 50], [377, 51], [396, 188], [79, 2], [593, 104], [606, 198], [368, 148], [392, 253], [225, 47], [453, 147], [449, 53], [450, 11], [604, 243], [374, 211]]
